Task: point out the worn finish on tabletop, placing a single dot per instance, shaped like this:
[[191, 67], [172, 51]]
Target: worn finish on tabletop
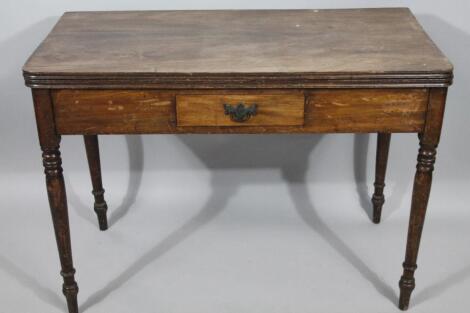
[[241, 49], [309, 71]]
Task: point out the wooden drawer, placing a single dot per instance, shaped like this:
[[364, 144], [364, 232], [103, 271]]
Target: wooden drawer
[[202, 111], [240, 110], [113, 111], [366, 110]]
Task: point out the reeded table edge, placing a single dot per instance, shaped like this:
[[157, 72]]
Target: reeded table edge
[[236, 80]]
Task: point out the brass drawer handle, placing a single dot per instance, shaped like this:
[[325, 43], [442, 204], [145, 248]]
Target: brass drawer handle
[[240, 113]]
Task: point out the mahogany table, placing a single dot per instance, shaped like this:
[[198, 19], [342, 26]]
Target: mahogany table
[[261, 71]]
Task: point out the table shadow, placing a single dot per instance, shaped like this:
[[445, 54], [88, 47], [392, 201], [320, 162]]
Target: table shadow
[[395, 186], [289, 154], [295, 178], [16, 49], [457, 43], [28, 281], [361, 148], [135, 151], [213, 206], [441, 286]]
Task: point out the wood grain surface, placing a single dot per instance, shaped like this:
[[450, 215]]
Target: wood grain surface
[[272, 109], [151, 111], [111, 111], [350, 110], [241, 48]]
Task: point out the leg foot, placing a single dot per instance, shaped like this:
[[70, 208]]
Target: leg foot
[[101, 208], [93, 156], [407, 284], [378, 199], [70, 291]]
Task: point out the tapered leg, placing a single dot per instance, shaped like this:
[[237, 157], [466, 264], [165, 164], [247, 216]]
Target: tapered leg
[[93, 156], [429, 140], [378, 199], [419, 202], [52, 162], [58, 203]]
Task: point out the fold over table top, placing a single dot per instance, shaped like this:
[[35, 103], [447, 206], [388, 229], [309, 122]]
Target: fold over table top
[[238, 49]]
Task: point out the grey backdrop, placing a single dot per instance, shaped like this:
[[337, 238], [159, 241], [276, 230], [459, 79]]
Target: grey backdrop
[[248, 198]]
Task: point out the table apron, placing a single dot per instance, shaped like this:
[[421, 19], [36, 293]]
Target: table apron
[[319, 111]]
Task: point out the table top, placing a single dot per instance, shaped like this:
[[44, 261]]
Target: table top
[[319, 44]]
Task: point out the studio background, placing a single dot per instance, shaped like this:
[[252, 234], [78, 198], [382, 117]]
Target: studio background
[[239, 223]]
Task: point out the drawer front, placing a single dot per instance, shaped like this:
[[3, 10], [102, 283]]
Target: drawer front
[[366, 110], [240, 110], [203, 111], [113, 111]]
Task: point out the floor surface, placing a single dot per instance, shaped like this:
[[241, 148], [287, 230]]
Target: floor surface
[[225, 245]]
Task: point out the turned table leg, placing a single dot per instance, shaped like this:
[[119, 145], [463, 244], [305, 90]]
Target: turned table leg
[[58, 204], [378, 199], [93, 156], [421, 189], [429, 140], [52, 162]]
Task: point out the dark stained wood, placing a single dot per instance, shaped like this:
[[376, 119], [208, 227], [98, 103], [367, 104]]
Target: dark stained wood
[[359, 70], [272, 109], [50, 141], [326, 111], [238, 80], [93, 157], [238, 49], [429, 140], [378, 198]]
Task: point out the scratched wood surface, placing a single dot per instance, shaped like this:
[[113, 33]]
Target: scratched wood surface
[[343, 110], [113, 111], [150, 111], [272, 109], [246, 41]]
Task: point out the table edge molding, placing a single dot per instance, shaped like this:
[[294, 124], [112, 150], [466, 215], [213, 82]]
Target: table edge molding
[[236, 80]]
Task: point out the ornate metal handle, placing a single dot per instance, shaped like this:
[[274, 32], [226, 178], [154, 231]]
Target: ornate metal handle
[[240, 113]]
